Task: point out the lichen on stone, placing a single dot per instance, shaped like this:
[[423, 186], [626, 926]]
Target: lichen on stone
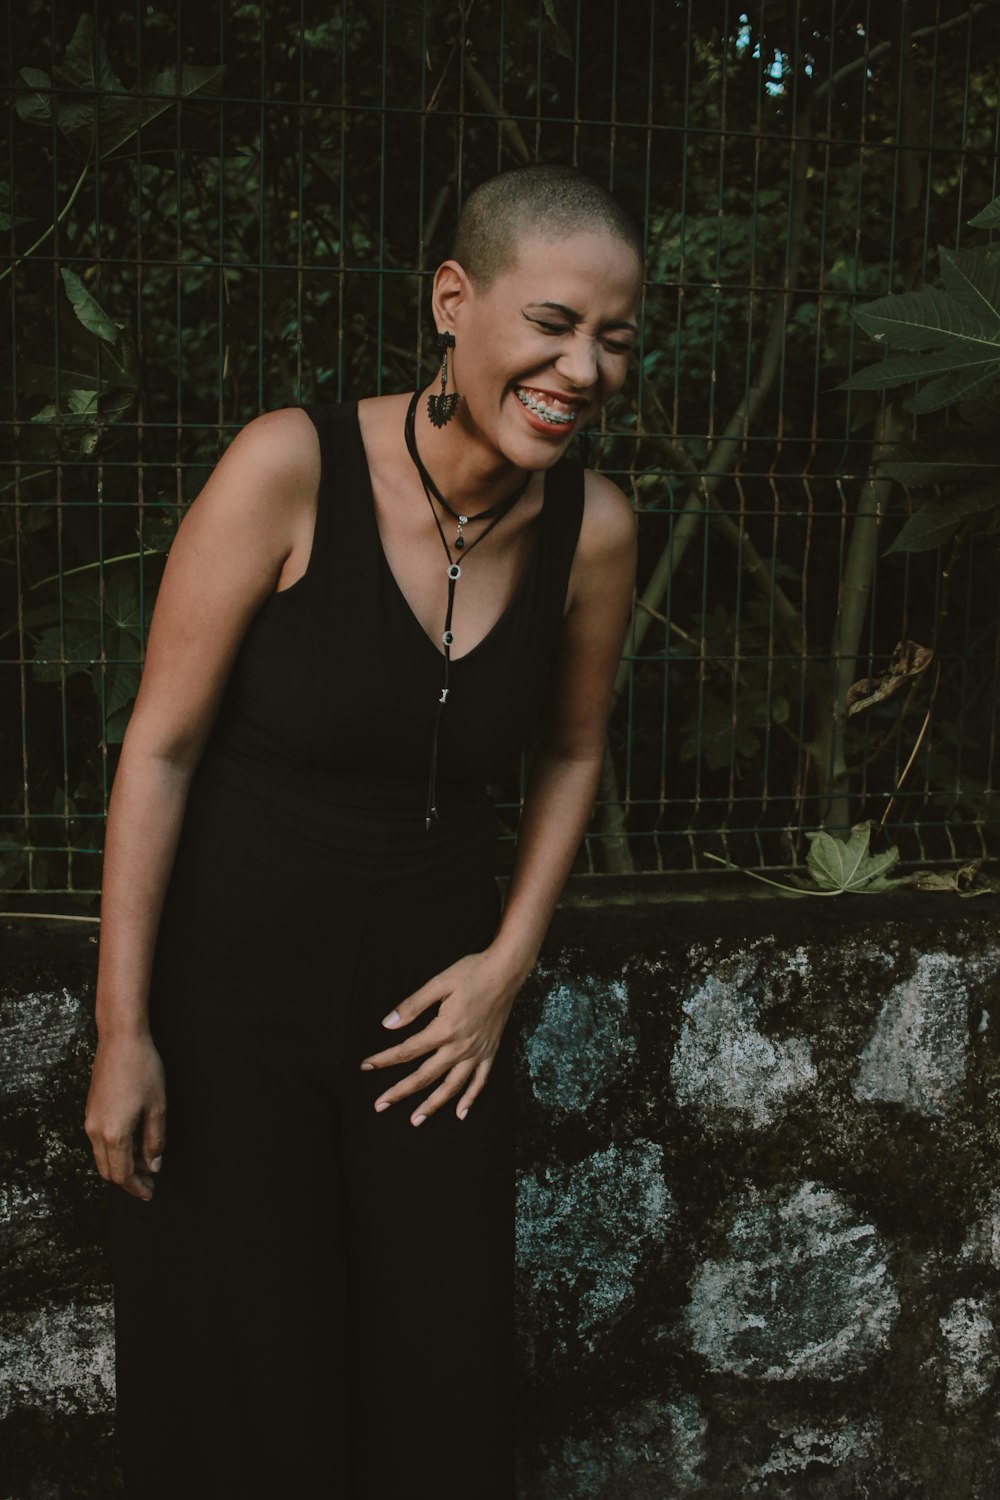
[[917, 1053], [647, 1451], [724, 1064], [37, 1034], [804, 1291], [815, 1448], [582, 1231], [972, 1353], [61, 1360], [982, 1243], [582, 1040]]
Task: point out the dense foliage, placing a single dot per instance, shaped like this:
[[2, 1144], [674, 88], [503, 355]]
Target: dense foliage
[[242, 213]]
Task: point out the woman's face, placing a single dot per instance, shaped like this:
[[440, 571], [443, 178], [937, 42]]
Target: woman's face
[[540, 351]]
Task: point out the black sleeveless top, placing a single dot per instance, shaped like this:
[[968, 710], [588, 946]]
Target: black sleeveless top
[[336, 681]]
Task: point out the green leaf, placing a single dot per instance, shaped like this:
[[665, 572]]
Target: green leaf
[[930, 319], [89, 311], [85, 70], [972, 277], [35, 107], [988, 217], [903, 369], [7, 217], [103, 637], [846, 865], [561, 41], [956, 454], [79, 370], [86, 65], [948, 389], [91, 105], [936, 521], [80, 405]]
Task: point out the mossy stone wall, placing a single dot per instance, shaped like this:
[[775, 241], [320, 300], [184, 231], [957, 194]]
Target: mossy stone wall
[[758, 1218]]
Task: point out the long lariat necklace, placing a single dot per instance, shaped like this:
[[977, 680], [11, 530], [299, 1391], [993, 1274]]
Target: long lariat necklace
[[492, 515]]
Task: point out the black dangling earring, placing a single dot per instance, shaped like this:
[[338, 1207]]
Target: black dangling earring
[[584, 445], [442, 408]]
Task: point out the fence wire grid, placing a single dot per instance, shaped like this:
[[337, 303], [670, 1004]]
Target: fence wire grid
[[217, 209]]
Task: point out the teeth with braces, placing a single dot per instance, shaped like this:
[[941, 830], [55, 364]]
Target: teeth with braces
[[547, 413]]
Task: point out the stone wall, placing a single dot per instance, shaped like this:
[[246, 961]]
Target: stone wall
[[758, 1220]]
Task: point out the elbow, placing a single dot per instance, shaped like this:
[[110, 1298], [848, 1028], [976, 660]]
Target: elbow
[[175, 755]]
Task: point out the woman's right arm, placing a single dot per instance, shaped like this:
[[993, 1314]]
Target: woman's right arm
[[227, 556]]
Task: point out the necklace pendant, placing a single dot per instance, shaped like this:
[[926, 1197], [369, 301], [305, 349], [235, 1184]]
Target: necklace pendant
[[459, 541]]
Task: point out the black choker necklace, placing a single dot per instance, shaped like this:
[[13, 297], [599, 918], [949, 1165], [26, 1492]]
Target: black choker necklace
[[492, 515]]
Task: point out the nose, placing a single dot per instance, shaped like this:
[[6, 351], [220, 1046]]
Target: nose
[[577, 362]]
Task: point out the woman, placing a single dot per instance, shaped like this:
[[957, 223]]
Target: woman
[[301, 1093]]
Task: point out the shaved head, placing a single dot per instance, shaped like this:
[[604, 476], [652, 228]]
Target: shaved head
[[552, 201]]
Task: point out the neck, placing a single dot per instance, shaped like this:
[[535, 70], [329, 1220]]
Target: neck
[[467, 470]]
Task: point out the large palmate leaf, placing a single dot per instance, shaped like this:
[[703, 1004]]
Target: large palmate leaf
[[973, 277], [937, 520], [958, 454], [91, 106], [948, 390], [931, 319], [947, 338], [989, 217], [847, 865], [902, 369], [837, 867]]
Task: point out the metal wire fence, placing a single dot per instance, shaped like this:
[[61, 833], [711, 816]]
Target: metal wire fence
[[218, 209]]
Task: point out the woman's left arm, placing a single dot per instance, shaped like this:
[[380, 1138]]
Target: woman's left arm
[[477, 992]]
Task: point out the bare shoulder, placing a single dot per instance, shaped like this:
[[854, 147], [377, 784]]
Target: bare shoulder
[[259, 500], [603, 571], [608, 527], [281, 444], [254, 509]]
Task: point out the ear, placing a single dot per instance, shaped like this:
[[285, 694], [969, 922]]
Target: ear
[[451, 288]]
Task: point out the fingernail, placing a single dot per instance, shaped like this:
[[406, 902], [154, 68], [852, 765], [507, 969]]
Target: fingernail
[[367, 1067], [392, 1019], [383, 1104], [156, 1164], [419, 1119], [463, 1112]]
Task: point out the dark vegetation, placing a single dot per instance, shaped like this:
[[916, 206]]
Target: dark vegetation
[[239, 213]]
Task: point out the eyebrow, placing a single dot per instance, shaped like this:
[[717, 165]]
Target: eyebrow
[[576, 317]]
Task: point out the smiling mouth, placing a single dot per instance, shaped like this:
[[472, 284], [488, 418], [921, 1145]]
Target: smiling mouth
[[546, 408]]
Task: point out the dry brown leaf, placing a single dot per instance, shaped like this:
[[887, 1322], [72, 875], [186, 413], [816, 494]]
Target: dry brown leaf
[[947, 880], [908, 660]]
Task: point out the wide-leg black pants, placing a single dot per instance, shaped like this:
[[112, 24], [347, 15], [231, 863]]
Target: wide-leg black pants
[[318, 1300]]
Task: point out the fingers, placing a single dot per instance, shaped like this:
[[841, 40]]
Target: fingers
[[119, 1159], [154, 1136], [414, 1005], [122, 1169], [431, 1070], [479, 1076], [422, 1042], [464, 1075], [446, 1090]]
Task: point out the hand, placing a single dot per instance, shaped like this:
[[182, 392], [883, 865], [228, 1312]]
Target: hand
[[127, 1085], [476, 995]]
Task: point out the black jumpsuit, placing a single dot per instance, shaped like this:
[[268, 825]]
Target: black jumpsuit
[[318, 1300]]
